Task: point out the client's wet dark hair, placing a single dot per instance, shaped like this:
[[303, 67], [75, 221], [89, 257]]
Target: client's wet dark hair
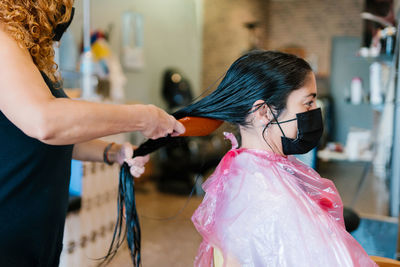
[[258, 75]]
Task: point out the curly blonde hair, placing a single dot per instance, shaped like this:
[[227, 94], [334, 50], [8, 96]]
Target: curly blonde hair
[[31, 24]]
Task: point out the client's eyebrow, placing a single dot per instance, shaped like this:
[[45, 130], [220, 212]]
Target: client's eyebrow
[[314, 95]]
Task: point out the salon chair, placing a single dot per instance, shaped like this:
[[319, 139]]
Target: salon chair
[[183, 160], [385, 262]]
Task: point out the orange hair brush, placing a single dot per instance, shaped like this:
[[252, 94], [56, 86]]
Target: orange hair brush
[[195, 126]]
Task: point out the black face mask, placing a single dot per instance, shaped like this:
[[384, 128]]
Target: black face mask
[[62, 27], [309, 130]]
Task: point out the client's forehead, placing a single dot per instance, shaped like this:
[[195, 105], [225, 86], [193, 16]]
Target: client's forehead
[[308, 90]]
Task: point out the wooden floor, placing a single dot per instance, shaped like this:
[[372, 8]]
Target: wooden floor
[[171, 242]]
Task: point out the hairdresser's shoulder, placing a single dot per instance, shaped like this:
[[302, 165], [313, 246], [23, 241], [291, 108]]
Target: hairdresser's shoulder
[[9, 47], [5, 37]]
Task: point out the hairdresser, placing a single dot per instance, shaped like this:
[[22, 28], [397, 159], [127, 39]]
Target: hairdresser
[[41, 130]]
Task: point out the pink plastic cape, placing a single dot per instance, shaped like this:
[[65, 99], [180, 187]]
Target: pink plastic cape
[[263, 209]]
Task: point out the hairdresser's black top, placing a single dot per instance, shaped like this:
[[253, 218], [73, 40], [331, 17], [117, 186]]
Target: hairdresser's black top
[[34, 180]]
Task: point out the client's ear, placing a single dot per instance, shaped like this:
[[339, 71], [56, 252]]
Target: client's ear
[[262, 114], [271, 116]]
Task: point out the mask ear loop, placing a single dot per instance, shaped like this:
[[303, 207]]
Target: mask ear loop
[[276, 121], [284, 121]]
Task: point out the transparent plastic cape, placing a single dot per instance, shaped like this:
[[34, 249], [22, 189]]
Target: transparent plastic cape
[[262, 209]]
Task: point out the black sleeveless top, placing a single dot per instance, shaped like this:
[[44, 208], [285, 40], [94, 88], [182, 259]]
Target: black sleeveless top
[[34, 181]]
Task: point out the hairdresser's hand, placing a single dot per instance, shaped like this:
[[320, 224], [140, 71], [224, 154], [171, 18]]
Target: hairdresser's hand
[[124, 153], [158, 123]]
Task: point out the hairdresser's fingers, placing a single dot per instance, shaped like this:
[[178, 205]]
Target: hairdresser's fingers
[[158, 135], [160, 123], [168, 125], [167, 128], [178, 129], [130, 162], [171, 126], [125, 152], [160, 132], [141, 161], [137, 161], [136, 171], [156, 119]]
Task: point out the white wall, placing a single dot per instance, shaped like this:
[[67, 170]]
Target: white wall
[[172, 37]]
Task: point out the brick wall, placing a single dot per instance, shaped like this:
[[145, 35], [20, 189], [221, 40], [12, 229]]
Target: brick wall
[[312, 24], [307, 23], [224, 36]]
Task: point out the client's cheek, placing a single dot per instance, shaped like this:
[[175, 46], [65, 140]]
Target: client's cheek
[[291, 130]]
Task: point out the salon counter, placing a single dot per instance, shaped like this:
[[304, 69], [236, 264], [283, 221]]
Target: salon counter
[[92, 211]]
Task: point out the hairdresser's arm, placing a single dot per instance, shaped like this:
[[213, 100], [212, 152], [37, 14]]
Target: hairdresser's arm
[[118, 153], [27, 102]]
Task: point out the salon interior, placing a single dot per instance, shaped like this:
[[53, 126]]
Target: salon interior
[[169, 52]]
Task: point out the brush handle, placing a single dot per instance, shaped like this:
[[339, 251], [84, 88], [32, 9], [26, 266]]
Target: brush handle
[[195, 126], [151, 146]]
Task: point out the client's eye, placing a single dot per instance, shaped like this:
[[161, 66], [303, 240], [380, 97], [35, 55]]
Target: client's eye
[[310, 104]]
